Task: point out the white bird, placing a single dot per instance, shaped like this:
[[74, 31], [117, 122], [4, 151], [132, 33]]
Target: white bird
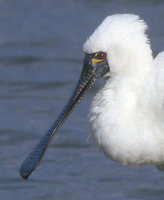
[[127, 114]]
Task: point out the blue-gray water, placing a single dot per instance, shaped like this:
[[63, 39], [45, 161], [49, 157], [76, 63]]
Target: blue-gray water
[[40, 63]]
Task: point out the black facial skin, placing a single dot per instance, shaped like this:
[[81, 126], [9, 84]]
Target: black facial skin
[[90, 73]]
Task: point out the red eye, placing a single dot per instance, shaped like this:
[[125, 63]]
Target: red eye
[[101, 55]]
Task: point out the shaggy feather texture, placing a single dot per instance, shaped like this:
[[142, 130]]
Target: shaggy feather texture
[[126, 114]]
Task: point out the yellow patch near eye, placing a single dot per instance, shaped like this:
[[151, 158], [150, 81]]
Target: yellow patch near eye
[[94, 60]]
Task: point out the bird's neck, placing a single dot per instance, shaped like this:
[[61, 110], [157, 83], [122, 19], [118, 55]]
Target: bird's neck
[[123, 93]]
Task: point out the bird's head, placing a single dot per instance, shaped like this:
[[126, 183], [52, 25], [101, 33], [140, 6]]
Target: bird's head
[[123, 40]]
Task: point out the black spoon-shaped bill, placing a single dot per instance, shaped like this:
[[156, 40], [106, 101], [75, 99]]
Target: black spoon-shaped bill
[[89, 75]]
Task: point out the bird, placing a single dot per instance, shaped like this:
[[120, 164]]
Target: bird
[[127, 113]]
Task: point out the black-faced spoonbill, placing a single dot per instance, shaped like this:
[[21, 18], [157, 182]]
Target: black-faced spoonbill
[[126, 114]]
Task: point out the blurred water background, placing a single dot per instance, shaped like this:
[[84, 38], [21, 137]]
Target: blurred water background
[[40, 62]]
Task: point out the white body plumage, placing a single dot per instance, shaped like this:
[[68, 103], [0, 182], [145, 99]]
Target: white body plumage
[[127, 115]]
